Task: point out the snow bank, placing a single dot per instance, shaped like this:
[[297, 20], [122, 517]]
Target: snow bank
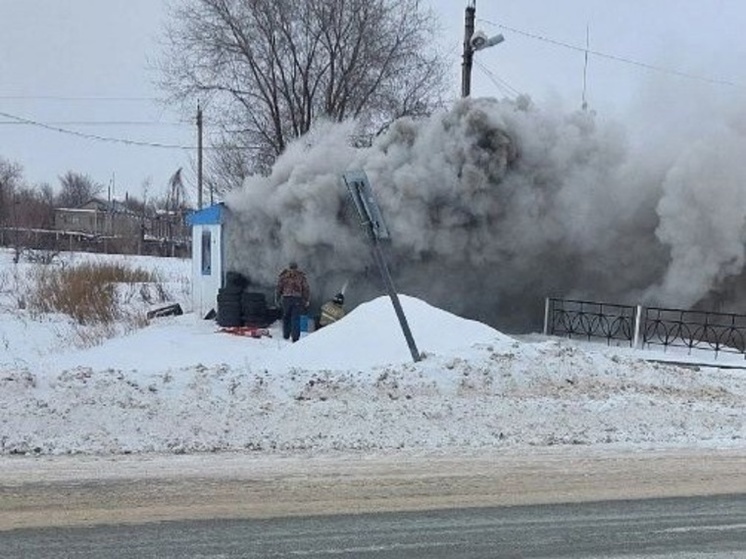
[[182, 386]]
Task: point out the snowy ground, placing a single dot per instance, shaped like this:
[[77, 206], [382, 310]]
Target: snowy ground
[[181, 386]]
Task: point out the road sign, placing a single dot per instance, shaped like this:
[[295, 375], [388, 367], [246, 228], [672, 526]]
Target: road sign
[[365, 204], [372, 219]]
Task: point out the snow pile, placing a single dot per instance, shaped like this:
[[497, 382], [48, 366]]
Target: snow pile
[[372, 336], [180, 385]]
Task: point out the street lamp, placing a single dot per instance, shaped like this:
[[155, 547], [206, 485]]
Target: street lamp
[[480, 40], [473, 41]]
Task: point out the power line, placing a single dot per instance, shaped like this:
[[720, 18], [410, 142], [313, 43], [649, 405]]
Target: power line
[[112, 139], [101, 123], [614, 57], [73, 98], [501, 84], [93, 136]]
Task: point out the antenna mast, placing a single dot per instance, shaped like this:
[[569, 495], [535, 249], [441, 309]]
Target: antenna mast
[[585, 65]]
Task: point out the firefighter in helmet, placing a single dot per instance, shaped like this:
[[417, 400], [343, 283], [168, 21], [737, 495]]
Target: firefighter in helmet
[[332, 311]]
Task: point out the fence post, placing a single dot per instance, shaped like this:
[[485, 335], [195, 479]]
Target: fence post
[[546, 316], [638, 324]]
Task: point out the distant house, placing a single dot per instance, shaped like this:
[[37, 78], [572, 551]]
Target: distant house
[[170, 228], [100, 218], [115, 227]]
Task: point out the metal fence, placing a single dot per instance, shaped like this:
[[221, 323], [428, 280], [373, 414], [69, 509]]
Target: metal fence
[[695, 330], [567, 317], [646, 326]]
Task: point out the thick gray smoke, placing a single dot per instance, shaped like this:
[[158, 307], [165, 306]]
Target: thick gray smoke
[[495, 205]]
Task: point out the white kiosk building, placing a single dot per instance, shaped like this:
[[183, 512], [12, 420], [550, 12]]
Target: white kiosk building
[[207, 257]]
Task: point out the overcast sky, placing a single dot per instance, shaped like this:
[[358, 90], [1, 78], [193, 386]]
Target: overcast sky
[[68, 62]]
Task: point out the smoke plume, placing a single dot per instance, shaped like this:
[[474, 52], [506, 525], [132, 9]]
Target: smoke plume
[[494, 205]]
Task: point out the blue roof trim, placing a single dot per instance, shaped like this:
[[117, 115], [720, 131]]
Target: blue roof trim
[[211, 215]]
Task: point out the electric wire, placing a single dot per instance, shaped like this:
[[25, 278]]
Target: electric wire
[[497, 81], [616, 58], [90, 136], [102, 123], [112, 139], [501, 84], [86, 98]]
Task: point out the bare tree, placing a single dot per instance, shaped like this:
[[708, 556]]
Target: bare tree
[[271, 68], [228, 165], [11, 176], [76, 189], [23, 208]]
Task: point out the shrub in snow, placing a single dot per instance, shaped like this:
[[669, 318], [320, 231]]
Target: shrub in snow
[[86, 292]]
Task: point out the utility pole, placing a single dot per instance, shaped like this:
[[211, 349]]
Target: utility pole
[[199, 156], [473, 41], [469, 18]]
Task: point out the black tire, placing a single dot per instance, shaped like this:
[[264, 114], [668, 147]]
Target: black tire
[[254, 308], [229, 297], [236, 280], [254, 304], [231, 290], [254, 296], [229, 314], [263, 320], [256, 321]]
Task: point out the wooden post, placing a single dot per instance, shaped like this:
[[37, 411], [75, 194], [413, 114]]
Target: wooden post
[[199, 157]]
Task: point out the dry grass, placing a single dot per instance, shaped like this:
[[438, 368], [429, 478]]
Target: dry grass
[[87, 292]]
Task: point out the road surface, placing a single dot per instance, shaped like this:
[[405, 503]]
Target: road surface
[[661, 528], [389, 505]]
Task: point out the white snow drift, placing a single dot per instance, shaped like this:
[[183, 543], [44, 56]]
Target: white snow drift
[[181, 385]]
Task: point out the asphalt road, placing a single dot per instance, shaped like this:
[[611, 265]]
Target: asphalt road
[[683, 528]]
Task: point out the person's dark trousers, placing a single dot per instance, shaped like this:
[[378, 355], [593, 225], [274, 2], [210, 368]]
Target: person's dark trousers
[[292, 308]]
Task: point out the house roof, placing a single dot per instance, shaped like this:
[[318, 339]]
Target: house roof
[[101, 205]]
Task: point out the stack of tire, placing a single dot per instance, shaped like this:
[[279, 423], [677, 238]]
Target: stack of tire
[[230, 311], [254, 309]]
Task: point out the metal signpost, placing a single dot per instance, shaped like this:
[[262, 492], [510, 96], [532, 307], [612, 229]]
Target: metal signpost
[[372, 221]]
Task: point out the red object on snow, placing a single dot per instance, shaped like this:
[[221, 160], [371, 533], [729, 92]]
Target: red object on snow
[[248, 331]]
